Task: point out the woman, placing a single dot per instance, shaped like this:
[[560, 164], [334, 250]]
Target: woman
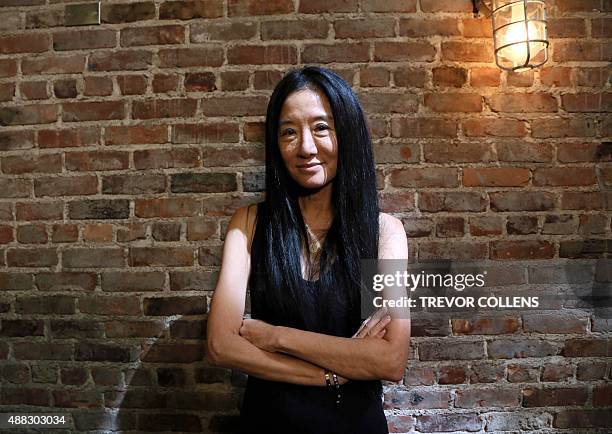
[[312, 368]]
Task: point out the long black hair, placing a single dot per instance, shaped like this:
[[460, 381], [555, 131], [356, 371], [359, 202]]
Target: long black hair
[[354, 232]]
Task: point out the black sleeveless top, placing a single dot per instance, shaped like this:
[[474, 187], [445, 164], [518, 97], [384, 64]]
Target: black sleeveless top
[[275, 407]]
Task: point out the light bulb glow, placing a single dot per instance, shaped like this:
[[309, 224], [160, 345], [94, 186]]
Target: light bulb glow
[[519, 29]]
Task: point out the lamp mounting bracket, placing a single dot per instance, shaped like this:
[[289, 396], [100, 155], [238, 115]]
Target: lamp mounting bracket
[[483, 6]]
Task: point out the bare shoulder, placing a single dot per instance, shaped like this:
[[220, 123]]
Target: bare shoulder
[[389, 225], [244, 219], [393, 242]]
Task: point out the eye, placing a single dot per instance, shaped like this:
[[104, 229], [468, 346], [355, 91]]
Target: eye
[[287, 132], [321, 127]]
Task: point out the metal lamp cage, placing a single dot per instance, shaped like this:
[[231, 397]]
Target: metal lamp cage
[[519, 33]]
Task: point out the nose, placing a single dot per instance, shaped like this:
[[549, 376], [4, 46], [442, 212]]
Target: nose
[[308, 146]]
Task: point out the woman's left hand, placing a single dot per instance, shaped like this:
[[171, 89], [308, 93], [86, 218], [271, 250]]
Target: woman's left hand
[[259, 333]]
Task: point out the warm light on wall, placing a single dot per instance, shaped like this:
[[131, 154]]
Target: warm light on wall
[[519, 33]]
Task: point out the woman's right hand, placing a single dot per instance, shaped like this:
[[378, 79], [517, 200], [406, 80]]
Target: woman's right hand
[[375, 325]]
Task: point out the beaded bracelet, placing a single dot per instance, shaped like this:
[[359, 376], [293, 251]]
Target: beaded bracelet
[[338, 393], [335, 386]]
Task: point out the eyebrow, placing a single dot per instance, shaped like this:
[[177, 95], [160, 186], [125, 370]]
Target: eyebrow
[[317, 118]]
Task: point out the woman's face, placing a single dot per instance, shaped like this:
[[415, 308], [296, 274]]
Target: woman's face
[[307, 138]]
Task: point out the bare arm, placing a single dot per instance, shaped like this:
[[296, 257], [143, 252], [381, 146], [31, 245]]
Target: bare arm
[[225, 346], [361, 359]]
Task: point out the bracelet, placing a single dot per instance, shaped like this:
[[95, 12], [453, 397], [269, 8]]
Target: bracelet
[[335, 387], [327, 379], [338, 393]]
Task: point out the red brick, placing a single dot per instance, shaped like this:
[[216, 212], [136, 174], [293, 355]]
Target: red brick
[[362, 28], [484, 226], [446, 6], [8, 67], [428, 177], [419, 27], [560, 176], [98, 86], [339, 52], [205, 133], [422, 51], [485, 77], [28, 211], [579, 5], [557, 396], [100, 305], [522, 200], [24, 43], [166, 158], [495, 176], [254, 105], [33, 90], [452, 152], [522, 249], [453, 201], [65, 88], [492, 397], [519, 79], [565, 28], [164, 108], [257, 55], [453, 102], [256, 7], [521, 151], [93, 111], [127, 13], [133, 184], [173, 353], [587, 102], [477, 27], [66, 186], [579, 51], [467, 51], [266, 79], [15, 187], [410, 77], [521, 103], [135, 134], [555, 76], [97, 160], [120, 60], [495, 127], [185, 57], [295, 29], [163, 83], [152, 35], [187, 10], [449, 76], [450, 227], [65, 138], [423, 127], [132, 84], [594, 77], [562, 127], [84, 39], [200, 82], [211, 31], [28, 114], [46, 163], [374, 77], [171, 207], [321, 6]]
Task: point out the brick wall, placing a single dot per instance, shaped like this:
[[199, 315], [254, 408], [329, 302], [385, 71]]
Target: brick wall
[[125, 148]]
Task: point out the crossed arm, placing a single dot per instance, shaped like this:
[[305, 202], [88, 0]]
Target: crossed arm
[[377, 351]]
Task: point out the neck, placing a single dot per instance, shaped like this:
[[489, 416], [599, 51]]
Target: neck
[[316, 207]]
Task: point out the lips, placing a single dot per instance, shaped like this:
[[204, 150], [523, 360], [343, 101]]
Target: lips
[[305, 166]]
